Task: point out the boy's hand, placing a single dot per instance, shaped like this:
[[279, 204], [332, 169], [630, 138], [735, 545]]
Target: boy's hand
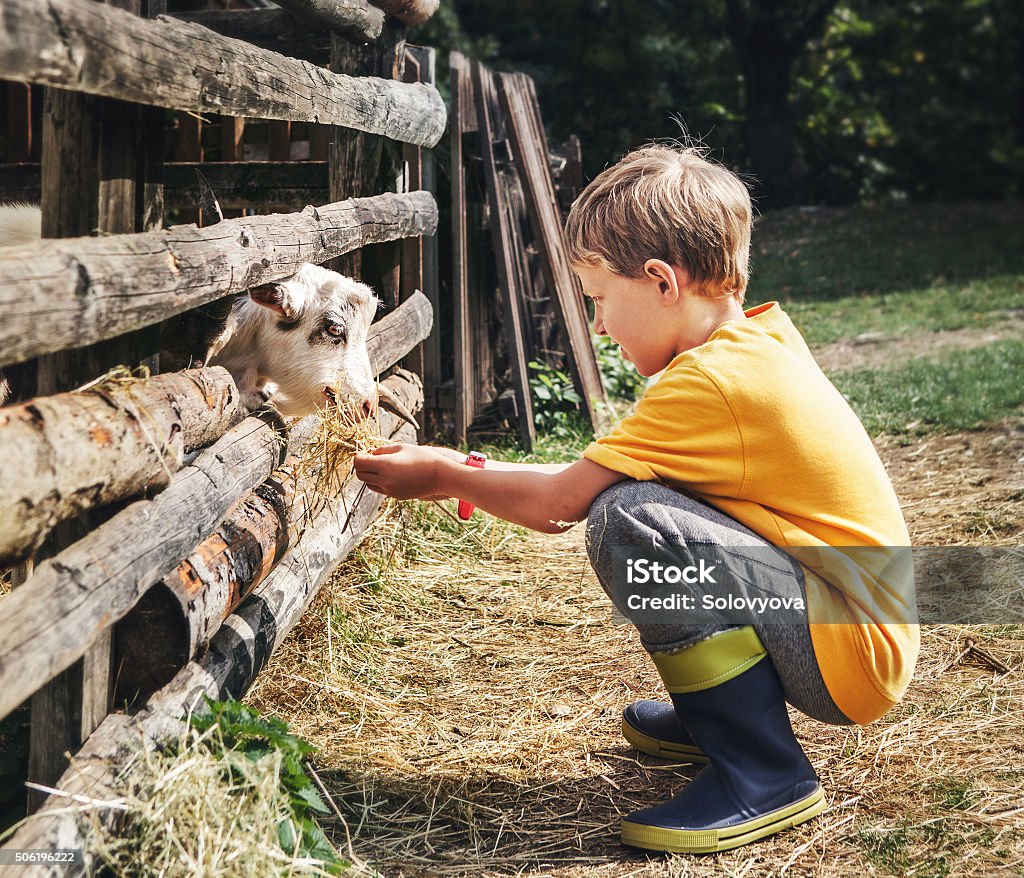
[[405, 472]]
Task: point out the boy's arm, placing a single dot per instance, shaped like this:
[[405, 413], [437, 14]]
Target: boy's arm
[[537, 496]]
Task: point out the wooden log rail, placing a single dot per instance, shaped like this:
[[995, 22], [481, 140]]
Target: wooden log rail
[[176, 619], [343, 16], [87, 587], [70, 292], [277, 31], [102, 50], [236, 655], [75, 451], [49, 621]]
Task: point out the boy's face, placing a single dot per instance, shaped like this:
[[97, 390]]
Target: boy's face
[[635, 315]]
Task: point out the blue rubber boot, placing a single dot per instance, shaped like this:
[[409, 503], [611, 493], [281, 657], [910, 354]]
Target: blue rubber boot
[[653, 727], [759, 780]]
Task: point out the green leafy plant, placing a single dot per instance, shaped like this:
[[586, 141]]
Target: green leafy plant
[[621, 380], [244, 733], [556, 404]]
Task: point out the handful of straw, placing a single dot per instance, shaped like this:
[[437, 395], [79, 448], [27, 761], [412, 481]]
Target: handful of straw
[[325, 462]]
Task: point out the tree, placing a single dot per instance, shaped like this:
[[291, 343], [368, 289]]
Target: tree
[[769, 38]]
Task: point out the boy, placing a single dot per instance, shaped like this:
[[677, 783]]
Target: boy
[[742, 450]]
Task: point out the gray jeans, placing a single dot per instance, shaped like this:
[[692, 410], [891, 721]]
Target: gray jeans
[[646, 518]]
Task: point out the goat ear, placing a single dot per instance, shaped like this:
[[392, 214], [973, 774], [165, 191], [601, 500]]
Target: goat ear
[[275, 297]]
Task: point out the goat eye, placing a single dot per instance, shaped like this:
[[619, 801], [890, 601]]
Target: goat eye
[[335, 330]]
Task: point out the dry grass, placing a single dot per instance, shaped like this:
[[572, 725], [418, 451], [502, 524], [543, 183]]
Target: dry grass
[[185, 816], [465, 689], [325, 463]]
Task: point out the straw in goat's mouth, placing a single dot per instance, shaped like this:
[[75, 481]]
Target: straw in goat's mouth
[[325, 462]]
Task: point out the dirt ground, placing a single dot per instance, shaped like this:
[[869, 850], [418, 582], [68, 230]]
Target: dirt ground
[[466, 704], [873, 348]]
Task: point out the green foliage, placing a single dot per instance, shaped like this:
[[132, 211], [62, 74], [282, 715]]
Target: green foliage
[[556, 404], [884, 100], [242, 733], [621, 380]]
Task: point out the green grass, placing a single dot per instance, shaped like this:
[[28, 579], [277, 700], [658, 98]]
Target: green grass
[[564, 446], [898, 270], [962, 390]]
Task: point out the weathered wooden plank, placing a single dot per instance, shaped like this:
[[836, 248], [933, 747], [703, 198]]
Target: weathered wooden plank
[[280, 31], [239, 651], [92, 48], [238, 185], [76, 451], [83, 590], [356, 157], [400, 330], [465, 398], [419, 255], [487, 109], [19, 121], [59, 294], [342, 16], [529, 146], [179, 616], [232, 129]]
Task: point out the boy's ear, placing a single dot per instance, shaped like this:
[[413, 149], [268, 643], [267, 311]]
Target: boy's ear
[[665, 275]]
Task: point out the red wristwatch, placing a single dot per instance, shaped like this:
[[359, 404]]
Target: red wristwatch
[[477, 459]]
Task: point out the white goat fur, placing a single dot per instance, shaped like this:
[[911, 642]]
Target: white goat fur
[[19, 224], [292, 356]]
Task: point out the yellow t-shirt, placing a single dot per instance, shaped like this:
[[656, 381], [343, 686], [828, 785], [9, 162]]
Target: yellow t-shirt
[[748, 423]]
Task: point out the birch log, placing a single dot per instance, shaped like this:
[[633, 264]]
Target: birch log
[[98, 49], [49, 621], [70, 292], [73, 451], [237, 654]]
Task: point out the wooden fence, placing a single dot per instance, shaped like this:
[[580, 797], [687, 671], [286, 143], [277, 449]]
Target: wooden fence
[[168, 542]]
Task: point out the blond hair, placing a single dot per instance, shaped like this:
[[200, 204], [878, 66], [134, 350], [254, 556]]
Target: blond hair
[[668, 203]]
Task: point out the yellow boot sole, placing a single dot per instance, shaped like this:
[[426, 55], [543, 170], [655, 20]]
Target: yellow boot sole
[[664, 749], [709, 841]]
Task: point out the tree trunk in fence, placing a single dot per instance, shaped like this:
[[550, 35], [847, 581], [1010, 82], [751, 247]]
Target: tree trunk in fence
[[76, 451], [90, 585], [238, 652], [99, 579], [344, 16], [400, 330], [176, 619], [277, 31], [91, 48], [64, 293]]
